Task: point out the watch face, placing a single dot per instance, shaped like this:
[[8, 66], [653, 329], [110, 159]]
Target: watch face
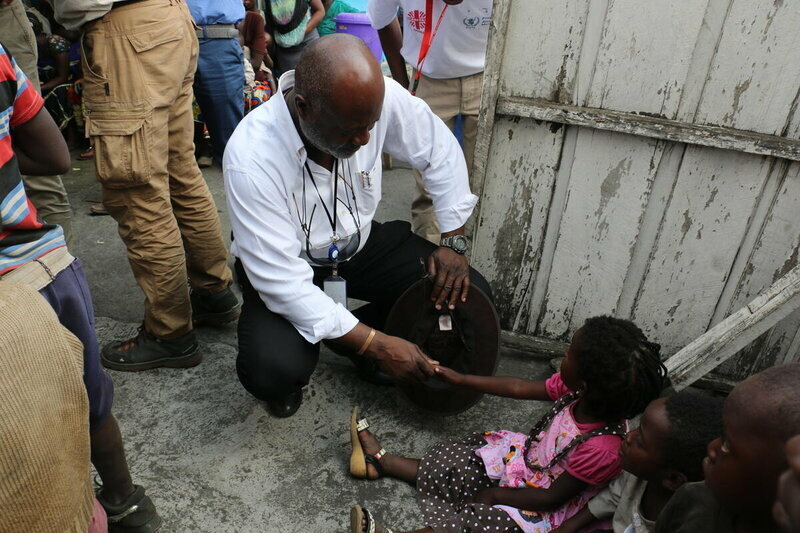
[[460, 244]]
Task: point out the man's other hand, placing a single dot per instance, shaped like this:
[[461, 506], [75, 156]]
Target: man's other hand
[[450, 272]]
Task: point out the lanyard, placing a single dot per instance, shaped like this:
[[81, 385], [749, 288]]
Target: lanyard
[[427, 39], [331, 219]]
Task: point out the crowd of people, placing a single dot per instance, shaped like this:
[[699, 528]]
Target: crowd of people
[[299, 119]]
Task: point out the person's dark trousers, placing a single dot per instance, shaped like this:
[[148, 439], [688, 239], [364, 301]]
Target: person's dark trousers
[[275, 360], [219, 89]]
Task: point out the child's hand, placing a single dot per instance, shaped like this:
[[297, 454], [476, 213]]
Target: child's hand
[[449, 375]]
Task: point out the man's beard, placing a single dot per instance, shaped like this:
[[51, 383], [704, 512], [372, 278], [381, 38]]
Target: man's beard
[[343, 151]]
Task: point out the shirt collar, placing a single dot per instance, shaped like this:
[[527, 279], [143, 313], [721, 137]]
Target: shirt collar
[[285, 122]]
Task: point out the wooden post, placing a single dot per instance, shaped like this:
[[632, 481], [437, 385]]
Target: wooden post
[[724, 340]]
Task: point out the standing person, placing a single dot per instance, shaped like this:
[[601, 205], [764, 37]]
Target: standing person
[[254, 37], [445, 43], [138, 101], [293, 26], [219, 80], [33, 253], [47, 193]]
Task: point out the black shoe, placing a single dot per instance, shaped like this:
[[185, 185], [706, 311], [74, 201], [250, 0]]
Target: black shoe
[[366, 367], [215, 309], [146, 351], [136, 514], [286, 407]]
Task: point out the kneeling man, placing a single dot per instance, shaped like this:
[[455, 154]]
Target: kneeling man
[[303, 180]]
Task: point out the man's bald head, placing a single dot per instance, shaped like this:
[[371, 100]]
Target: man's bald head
[[338, 65], [339, 92]]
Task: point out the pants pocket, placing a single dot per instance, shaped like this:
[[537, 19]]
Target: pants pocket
[[122, 140]]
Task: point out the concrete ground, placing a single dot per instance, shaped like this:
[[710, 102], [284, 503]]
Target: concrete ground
[[212, 457]]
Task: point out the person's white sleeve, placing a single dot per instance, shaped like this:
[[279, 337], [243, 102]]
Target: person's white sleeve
[[422, 139], [267, 245], [382, 12], [606, 502]]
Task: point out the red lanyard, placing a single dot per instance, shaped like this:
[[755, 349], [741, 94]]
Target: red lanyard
[[427, 39]]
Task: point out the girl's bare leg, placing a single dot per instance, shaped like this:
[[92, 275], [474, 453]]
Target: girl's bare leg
[[396, 466]]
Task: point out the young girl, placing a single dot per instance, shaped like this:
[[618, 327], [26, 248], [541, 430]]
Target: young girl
[[507, 481]]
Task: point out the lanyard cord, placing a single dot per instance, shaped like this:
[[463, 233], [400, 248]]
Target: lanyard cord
[[427, 40], [331, 219]]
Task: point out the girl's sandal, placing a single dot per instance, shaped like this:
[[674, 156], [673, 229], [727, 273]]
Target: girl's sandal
[[362, 521], [358, 458]]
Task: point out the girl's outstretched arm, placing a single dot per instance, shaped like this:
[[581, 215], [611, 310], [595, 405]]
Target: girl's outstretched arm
[[560, 492], [522, 389]]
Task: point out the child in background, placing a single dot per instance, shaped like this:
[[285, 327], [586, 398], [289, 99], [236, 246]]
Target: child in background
[[743, 466], [507, 481], [663, 453]]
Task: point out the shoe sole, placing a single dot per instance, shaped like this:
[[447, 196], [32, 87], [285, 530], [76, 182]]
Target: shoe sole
[[358, 465], [218, 319], [185, 361]]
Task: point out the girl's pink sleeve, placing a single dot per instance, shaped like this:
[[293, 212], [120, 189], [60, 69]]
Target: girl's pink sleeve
[[555, 387], [596, 461]]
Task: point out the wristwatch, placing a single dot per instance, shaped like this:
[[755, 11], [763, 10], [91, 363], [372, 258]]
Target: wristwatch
[[457, 243]]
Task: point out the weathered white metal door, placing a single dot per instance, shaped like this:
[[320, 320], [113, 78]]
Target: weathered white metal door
[[641, 159]]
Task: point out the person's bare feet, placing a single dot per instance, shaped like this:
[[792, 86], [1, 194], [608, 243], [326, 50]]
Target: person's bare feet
[[371, 446]]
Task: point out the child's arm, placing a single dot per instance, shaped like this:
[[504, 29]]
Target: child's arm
[[560, 492], [508, 387], [583, 519], [39, 146]]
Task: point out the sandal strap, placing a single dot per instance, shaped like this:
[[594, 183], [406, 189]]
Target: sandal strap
[[372, 524], [361, 424], [375, 460]]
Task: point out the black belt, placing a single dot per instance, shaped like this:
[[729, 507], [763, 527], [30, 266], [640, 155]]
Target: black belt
[[125, 3]]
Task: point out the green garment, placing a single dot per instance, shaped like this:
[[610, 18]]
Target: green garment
[[328, 24]]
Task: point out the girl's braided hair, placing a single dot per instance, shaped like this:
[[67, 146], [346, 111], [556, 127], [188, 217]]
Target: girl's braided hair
[[622, 369]]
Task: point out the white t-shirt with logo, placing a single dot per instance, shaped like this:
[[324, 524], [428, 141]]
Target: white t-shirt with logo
[[458, 47]]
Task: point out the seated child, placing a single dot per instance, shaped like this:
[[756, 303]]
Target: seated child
[[663, 453], [506, 481], [743, 466]]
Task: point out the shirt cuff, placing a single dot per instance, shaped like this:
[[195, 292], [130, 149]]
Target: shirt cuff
[[333, 326], [453, 217]]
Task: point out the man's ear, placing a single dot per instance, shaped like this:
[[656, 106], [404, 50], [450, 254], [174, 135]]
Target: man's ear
[[674, 480], [303, 107]]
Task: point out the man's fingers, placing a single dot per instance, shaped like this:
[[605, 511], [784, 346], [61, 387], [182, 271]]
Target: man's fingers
[[465, 285], [431, 265], [447, 288]]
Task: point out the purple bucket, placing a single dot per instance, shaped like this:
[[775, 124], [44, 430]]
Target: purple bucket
[[358, 24]]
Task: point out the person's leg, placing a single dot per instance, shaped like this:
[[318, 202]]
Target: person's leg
[[68, 294], [471, 87], [192, 203], [219, 88], [48, 195], [274, 360], [442, 96], [145, 79]]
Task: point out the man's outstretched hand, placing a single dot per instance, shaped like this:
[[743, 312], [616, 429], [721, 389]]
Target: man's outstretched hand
[[450, 273], [401, 359]]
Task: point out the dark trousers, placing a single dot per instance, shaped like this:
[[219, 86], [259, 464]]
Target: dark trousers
[[69, 296], [275, 360], [219, 89]]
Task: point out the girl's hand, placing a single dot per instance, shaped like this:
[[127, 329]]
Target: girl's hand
[[449, 375]]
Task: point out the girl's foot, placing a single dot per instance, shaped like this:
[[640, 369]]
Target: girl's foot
[[362, 521], [367, 452]]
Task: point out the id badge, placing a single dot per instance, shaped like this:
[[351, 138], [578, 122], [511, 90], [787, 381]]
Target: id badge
[[336, 288]]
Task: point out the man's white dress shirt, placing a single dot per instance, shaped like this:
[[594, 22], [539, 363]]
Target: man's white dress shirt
[[458, 48], [264, 172]]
